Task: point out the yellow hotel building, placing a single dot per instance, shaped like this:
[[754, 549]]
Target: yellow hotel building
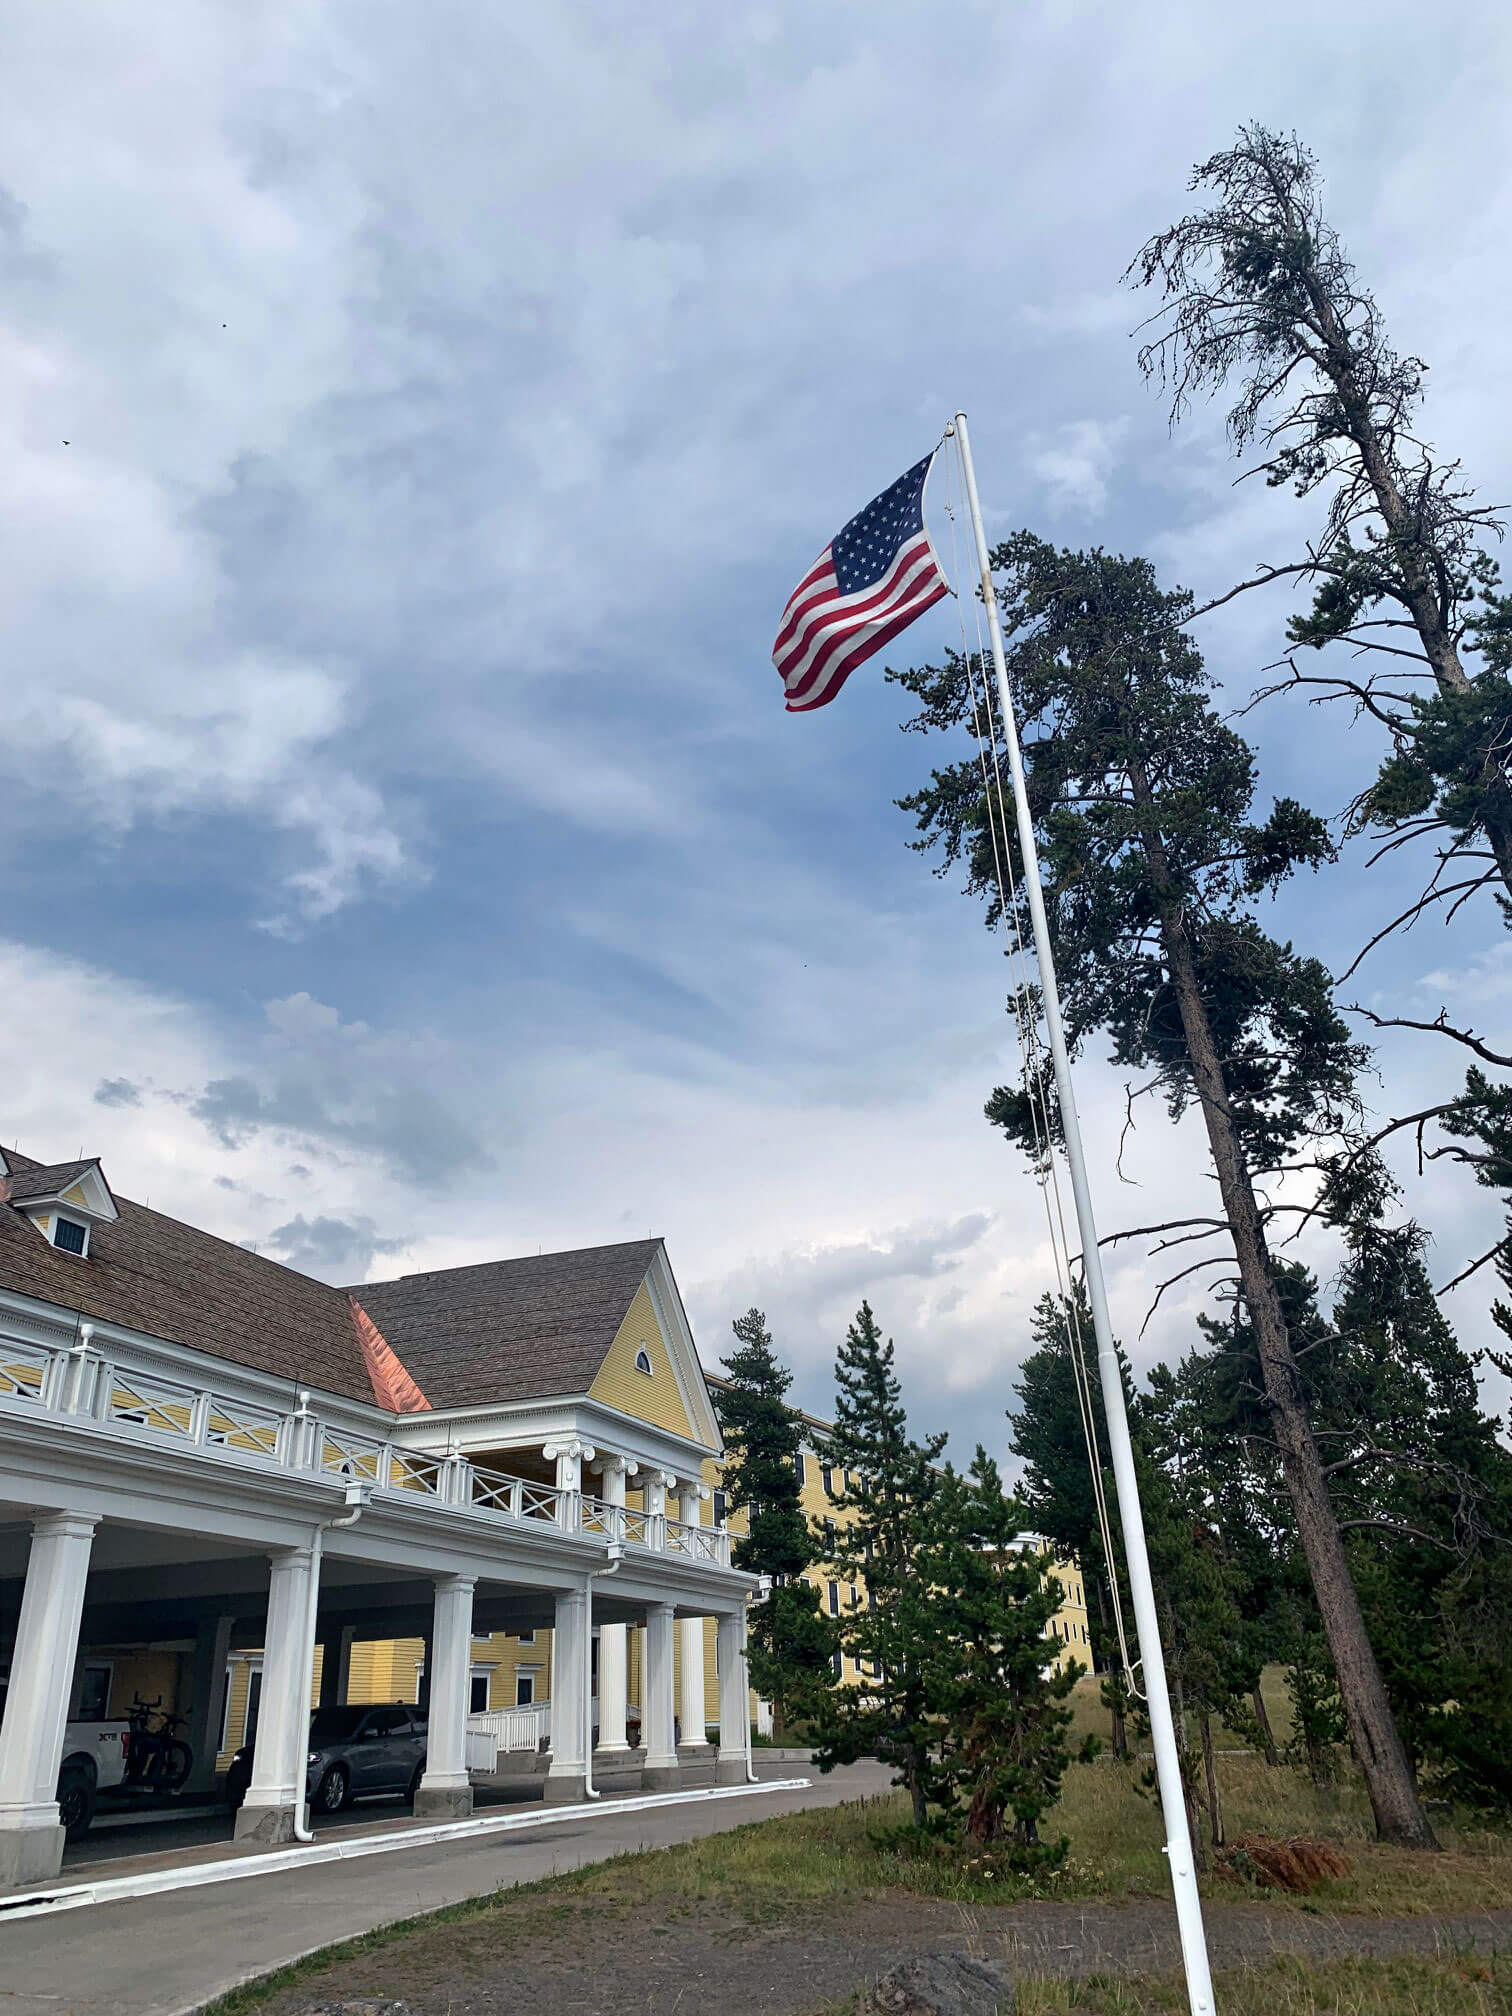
[[514, 1671]]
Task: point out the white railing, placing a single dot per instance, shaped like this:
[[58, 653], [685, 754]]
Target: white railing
[[506, 1732], [699, 1543], [78, 1381]]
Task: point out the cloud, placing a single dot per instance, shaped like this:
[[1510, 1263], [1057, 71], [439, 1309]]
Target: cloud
[[1076, 465], [117, 1092], [343, 1085], [338, 1250]]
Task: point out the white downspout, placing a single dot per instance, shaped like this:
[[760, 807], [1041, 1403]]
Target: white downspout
[[612, 1567], [750, 1762], [356, 1498]]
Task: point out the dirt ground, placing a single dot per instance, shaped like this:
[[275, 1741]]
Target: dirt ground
[[572, 1958]]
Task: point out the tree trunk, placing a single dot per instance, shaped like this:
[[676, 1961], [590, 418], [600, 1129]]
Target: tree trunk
[[1423, 601], [1394, 1801], [1267, 1734], [1215, 1810], [1120, 1722]]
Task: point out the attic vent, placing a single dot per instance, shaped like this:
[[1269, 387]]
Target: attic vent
[[69, 1236], [643, 1361]]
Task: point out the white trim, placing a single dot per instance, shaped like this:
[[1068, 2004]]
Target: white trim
[[195, 1875], [666, 1300]]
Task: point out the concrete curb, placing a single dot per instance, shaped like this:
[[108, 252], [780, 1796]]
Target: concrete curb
[[73, 1897]]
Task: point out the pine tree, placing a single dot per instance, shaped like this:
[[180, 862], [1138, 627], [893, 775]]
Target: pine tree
[[1258, 286], [791, 1644], [1141, 797], [1056, 1490], [1005, 1749], [887, 1482]]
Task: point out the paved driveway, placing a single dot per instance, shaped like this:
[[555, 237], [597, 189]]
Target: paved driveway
[[162, 1955]]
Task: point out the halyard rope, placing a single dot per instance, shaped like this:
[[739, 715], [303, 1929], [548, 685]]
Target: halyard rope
[[1030, 1052]]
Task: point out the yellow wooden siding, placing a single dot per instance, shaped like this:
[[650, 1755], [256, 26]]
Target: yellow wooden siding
[[76, 1196], [617, 1383]]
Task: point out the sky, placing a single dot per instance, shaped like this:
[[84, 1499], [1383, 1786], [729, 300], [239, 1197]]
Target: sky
[[412, 422]]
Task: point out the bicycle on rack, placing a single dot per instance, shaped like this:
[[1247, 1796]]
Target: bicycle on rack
[[157, 1758]]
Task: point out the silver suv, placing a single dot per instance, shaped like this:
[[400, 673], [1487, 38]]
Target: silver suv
[[355, 1753]]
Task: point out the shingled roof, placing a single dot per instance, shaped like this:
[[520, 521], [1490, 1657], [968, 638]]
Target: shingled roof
[[509, 1329], [152, 1273], [41, 1179]]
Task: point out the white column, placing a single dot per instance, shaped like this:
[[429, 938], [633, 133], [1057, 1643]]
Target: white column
[[569, 1458], [445, 1792], [691, 1709], [657, 1483], [613, 1662], [276, 1794], [734, 1700], [658, 1728], [567, 1774], [36, 1703]]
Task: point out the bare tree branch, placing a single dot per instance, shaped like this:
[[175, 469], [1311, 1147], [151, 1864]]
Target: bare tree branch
[[1439, 1026]]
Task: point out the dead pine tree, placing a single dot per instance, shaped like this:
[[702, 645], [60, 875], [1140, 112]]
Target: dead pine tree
[[1257, 287]]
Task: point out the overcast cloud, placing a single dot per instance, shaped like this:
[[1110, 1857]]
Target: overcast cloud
[[413, 422]]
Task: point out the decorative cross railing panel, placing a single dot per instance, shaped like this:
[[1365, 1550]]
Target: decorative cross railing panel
[[23, 1370], [53, 1383], [165, 1407]]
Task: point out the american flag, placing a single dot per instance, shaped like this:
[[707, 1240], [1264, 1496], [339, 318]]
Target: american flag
[[870, 582]]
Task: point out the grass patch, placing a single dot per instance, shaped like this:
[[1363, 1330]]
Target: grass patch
[[1437, 1985], [809, 1865]]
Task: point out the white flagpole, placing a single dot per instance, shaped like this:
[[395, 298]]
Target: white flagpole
[[1120, 1448]]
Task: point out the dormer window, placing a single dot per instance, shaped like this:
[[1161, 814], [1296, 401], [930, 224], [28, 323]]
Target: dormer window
[[63, 1200], [643, 1361]]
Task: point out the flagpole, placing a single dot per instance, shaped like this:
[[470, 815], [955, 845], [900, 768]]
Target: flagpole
[[1120, 1447]]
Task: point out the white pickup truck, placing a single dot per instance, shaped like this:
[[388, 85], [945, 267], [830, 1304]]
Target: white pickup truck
[[94, 1759]]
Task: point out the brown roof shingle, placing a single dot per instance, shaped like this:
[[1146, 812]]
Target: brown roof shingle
[[152, 1273], [509, 1329]]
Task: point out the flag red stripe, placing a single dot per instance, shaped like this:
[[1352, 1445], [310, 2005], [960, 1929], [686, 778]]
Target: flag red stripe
[[838, 614], [830, 628], [819, 586], [828, 606], [865, 647]]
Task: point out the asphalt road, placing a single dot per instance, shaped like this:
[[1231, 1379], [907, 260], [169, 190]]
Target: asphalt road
[[168, 1954]]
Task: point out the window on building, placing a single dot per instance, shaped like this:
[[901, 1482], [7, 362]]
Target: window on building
[[830, 1531], [94, 1694], [798, 1468], [254, 1703], [837, 1661], [643, 1361], [525, 1690], [721, 1508], [827, 1478], [527, 1638], [834, 1599], [477, 1702], [69, 1236]]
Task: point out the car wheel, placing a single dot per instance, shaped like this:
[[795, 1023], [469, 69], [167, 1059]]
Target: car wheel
[[414, 1784], [236, 1788], [76, 1801], [332, 1791]]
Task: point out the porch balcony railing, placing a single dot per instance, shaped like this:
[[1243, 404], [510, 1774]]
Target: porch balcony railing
[[77, 1381]]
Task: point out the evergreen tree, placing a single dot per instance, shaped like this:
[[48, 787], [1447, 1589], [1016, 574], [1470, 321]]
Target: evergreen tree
[[1258, 286], [791, 1642], [1056, 1490], [1005, 1746], [1141, 796], [887, 1482]]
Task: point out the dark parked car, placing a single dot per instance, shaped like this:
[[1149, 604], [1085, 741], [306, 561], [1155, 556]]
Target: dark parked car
[[354, 1754]]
